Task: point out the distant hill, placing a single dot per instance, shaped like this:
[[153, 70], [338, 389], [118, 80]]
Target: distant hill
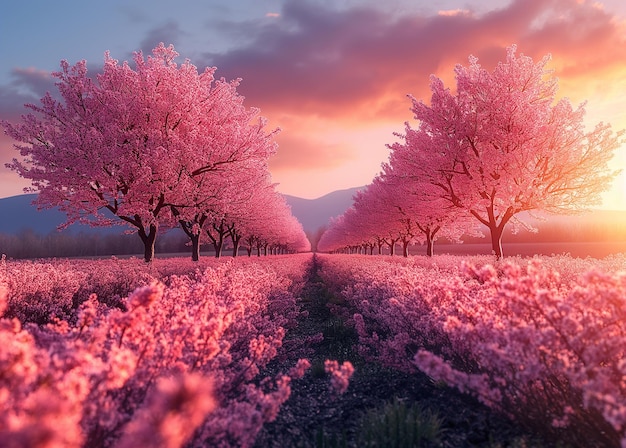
[[18, 214], [315, 213]]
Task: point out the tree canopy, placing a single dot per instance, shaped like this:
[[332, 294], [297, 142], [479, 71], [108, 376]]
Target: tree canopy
[[155, 145], [501, 143]]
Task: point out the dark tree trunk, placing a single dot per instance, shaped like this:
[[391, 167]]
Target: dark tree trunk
[[217, 245], [430, 233], [496, 229], [430, 243], [236, 243], [496, 240], [221, 232], [194, 237], [195, 246], [392, 247], [405, 248], [148, 240]]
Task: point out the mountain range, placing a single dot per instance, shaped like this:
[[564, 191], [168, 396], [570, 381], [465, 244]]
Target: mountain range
[[17, 214]]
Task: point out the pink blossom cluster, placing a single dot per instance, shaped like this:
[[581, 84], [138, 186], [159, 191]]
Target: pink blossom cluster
[[178, 364], [339, 375], [546, 351], [40, 290]]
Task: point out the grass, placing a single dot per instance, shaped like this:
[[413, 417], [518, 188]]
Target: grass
[[397, 425], [393, 425]]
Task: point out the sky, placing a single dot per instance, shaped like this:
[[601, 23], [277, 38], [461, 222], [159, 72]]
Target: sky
[[333, 75]]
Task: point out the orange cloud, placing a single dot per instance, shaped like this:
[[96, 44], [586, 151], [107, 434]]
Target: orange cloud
[[352, 69], [454, 12], [350, 64]]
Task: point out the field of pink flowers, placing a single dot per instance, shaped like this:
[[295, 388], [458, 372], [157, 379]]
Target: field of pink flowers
[[540, 339], [173, 353], [120, 353]]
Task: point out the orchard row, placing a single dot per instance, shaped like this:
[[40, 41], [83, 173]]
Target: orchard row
[[499, 145], [156, 146]]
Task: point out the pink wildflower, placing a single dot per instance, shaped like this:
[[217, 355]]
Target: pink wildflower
[[339, 375]]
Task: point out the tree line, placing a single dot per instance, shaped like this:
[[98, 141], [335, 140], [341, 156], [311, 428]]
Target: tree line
[[498, 145], [157, 146]]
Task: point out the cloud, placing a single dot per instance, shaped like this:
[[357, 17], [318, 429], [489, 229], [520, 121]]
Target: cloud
[[454, 12], [320, 69], [354, 67], [358, 64], [31, 80], [168, 33]]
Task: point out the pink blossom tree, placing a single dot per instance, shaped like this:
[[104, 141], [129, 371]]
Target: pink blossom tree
[[136, 141], [396, 209], [381, 218], [418, 205], [502, 144]]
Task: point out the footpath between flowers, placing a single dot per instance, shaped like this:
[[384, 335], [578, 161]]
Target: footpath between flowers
[[377, 396]]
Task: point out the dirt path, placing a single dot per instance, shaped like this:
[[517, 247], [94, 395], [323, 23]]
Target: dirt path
[[313, 418]]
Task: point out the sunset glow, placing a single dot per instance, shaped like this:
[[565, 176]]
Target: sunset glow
[[335, 78]]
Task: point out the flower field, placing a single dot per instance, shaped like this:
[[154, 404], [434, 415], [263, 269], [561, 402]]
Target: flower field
[[541, 340], [174, 353], [119, 353]]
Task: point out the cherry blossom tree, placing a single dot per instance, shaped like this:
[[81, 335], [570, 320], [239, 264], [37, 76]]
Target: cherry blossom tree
[[273, 226], [396, 209], [135, 142], [503, 144], [416, 203], [219, 201], [381, 219]]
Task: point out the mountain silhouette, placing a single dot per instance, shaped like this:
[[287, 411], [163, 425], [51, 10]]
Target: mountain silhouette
[[316, 213], [17, 214]]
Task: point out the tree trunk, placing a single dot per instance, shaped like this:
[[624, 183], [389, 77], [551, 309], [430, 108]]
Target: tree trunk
[[236, 242], [195, 246], [188, 228], [405, 248], [192, 229], [217, 245], [148, 240], [218, 239], [430, 244], [496, 240], [495, 229]]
